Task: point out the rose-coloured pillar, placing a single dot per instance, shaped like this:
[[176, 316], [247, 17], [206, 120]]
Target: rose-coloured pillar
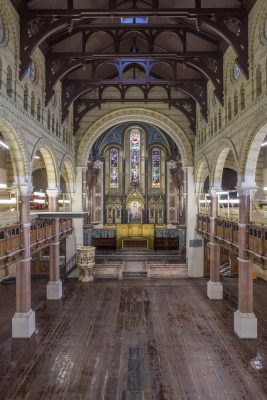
[[54, 286], [245, 322], [23, 322], [85, 262], [214, 286]]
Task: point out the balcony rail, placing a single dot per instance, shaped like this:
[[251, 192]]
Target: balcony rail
[[42, 233], [227, 232]]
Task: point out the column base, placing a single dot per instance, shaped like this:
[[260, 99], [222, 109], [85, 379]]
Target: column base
[[23, 324], [214, 290], [245, 325], [87, 278], [54, 290]]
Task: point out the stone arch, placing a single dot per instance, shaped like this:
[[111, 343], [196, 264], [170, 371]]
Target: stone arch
[[250, 153], [68, 164], [202, 165], [257, 30], [223, 149], [9, 19], [17, 150], [50, 162], [134, 115]]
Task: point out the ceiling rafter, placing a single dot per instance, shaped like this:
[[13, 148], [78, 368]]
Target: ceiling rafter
[[217, 27], [58, 65], [82, 106], [71, 91]]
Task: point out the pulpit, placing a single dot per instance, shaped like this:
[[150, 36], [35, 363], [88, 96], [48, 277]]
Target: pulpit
[[85, 262]]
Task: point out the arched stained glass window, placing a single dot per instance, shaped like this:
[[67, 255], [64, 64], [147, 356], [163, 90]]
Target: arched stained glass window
[[114, 168], [135, 157], [156, 168]]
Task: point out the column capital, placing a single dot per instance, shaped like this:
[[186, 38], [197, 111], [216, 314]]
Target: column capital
[[25, 190], [243, 190], [213, 192], [53, 192], [81, 168]]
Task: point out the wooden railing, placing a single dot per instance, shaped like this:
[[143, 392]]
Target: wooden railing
[[42, 233], [227, 232]]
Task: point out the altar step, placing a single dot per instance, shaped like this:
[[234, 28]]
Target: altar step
[[134, 275]]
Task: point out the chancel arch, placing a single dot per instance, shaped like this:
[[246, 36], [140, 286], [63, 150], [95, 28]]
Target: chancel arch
[[135, 159], [134, 115]]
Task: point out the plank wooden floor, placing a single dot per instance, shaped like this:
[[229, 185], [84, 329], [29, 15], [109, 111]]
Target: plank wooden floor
[[135, 340]]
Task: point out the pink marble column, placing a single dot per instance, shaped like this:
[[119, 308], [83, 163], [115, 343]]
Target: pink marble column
[[245, 322], [23, 322], [54, 286], [214, 286]]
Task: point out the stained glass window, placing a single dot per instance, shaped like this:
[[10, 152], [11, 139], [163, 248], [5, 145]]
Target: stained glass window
[[156, 168], [135, 157], [114, 168]]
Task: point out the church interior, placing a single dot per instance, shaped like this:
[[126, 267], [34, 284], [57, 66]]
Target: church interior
[[133, 199]]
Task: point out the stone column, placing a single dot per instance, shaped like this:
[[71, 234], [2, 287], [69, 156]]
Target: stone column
[[194, 242], [98, 193], [214, 286], [54, 286], [265, 168], [77, 205], [171, 196], [23, 322], [245, 322]]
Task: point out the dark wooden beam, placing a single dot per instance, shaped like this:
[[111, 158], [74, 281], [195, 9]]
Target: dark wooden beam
[[134, 12], [185, 105], [197, 91]]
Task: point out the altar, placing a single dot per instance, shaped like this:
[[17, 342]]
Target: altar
[[135, 235]]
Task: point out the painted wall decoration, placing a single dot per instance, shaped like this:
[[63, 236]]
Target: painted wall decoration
[[135, 213], [156, 168], [114, 168], [135, 157]]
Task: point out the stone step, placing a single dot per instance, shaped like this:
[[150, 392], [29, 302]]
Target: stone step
[[134, 275]]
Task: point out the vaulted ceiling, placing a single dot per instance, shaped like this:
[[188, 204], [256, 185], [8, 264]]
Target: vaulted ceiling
[[177, 45]]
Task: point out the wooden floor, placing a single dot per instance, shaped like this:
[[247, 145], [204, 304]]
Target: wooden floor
[[135, 340]]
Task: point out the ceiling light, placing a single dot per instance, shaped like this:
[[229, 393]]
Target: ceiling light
[[13, 200], [37, 157], [3, 144]]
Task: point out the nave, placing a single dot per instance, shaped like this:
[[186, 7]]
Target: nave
[[133, 340]]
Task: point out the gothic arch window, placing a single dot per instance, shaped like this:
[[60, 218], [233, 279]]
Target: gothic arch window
[[155, 168], [135, 145], [32, 104], [258, 82], [26, 97], [9, 81], [39, 110], [235, 104], [48, 119], [114, 168], [53, 123], [1, 72], [242, 97], [229, 110], [220, 119]]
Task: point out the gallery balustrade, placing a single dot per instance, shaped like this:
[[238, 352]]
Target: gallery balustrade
[[42, 233]]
